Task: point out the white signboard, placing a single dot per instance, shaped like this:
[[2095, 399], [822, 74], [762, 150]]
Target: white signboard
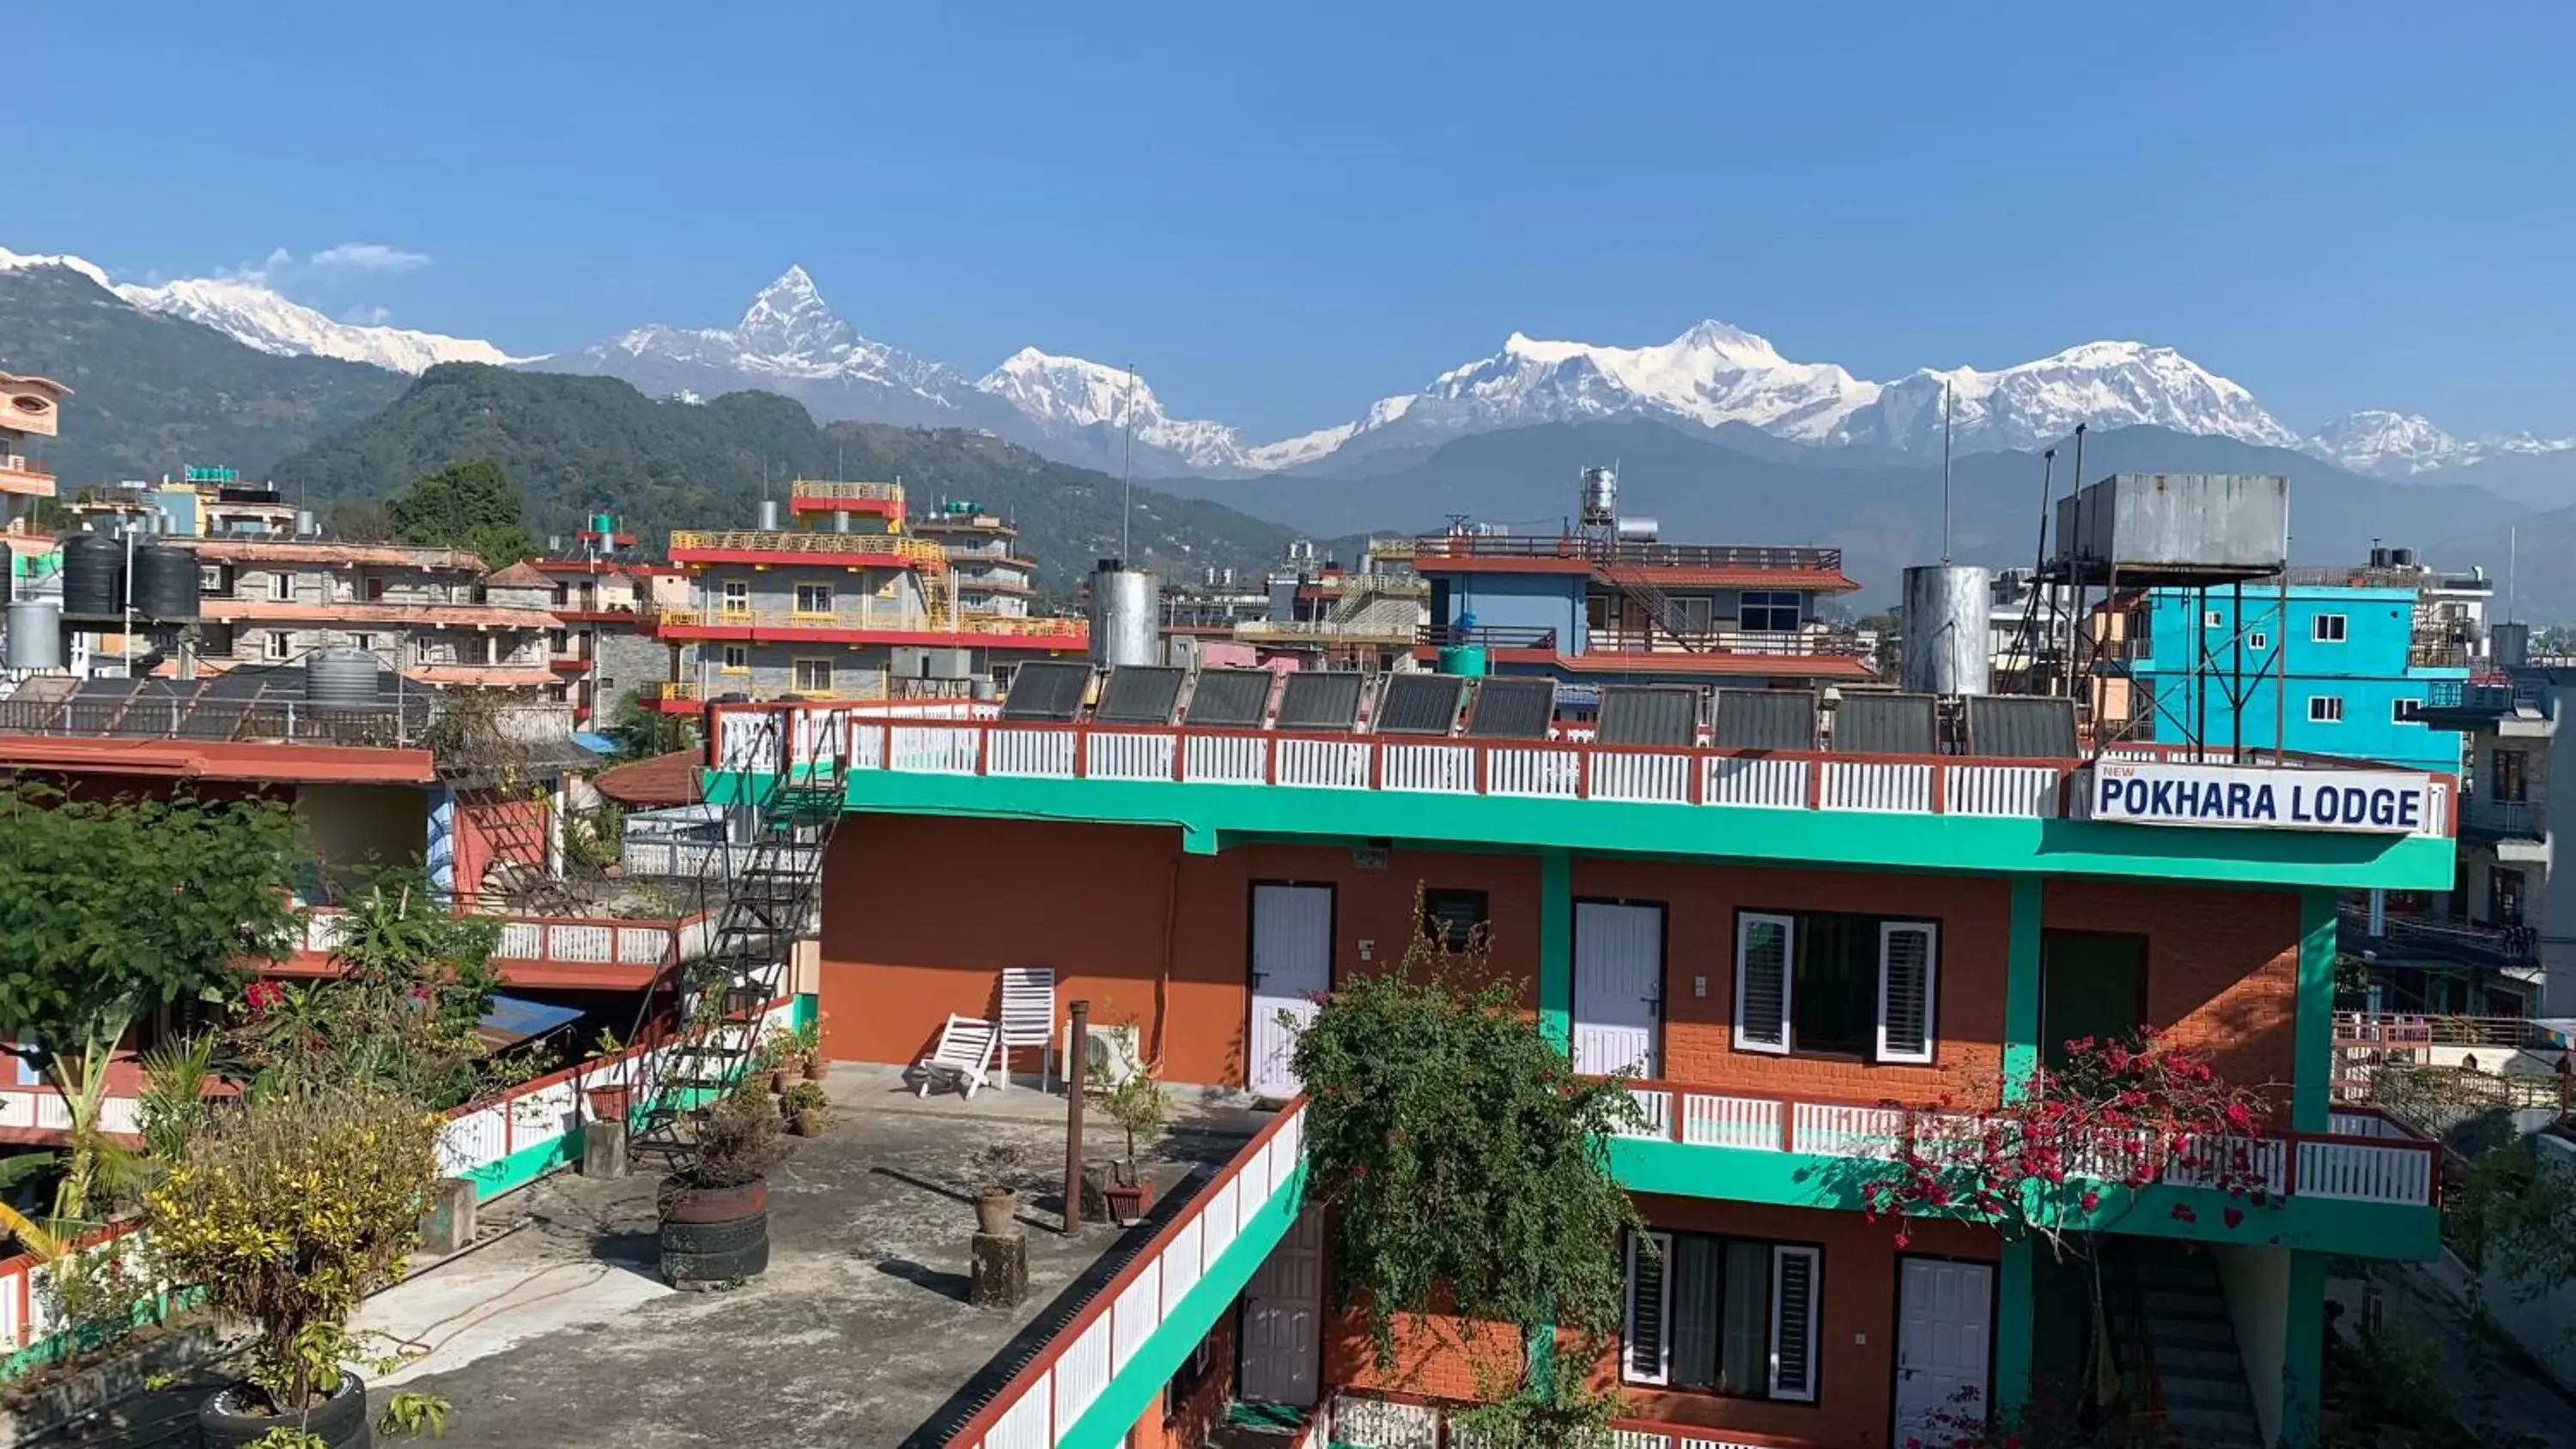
[[2252, 797]]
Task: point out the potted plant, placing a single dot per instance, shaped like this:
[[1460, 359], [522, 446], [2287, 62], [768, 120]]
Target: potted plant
[[998, 1167], [236, 1214], [808, 1041], [715, 1209], [806, 1109], [608, 1101], [1134, 1101]]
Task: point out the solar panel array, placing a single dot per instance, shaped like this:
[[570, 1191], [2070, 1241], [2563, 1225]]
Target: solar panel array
[[1512, 709], [1648, 714], [1047, 691], [1229, 699], [1763, 719], [1886, 724], [1421, 704], [1139, 694], [1327, 700], [2021, 728]]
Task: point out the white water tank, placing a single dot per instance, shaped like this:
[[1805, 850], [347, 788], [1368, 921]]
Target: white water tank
[[1124, 629], [35, 635], [1948, 648]]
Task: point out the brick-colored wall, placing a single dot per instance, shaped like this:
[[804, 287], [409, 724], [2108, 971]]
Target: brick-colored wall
[[1701, 902], [1202, 1408], [920, 914], [2222, 965]]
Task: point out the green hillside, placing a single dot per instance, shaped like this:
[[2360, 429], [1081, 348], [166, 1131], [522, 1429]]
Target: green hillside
[[151, 394], [578, 445]]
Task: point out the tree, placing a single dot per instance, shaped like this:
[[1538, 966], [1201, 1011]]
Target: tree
[[467, 506], [1464, 1173], [640, 731], [109, 908]]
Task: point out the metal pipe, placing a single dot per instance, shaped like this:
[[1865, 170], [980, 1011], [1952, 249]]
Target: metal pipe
[[1077, 1065]]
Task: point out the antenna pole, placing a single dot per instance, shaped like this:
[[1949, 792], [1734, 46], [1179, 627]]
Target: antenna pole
[[1949, 414], [2512, 556], [1127, 499]]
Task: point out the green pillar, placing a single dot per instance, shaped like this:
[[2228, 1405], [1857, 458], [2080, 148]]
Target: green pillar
[[2021, 988], [2015, 1297], [1556, 947], [2312, 1065], [2303, 1350]]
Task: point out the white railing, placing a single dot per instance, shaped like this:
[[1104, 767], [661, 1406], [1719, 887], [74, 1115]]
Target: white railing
[[1043, 1403], [903, 736], [568, 942]]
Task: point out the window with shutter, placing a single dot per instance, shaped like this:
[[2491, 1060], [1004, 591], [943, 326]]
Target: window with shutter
[[1650, 1307], [1905, 983], [1793, 1322], [1763, 950]]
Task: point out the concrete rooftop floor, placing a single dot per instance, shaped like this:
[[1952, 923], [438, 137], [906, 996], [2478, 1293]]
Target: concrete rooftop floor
[[561, 1334]]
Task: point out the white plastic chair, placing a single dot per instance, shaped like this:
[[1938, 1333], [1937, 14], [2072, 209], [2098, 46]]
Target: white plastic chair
[[964, 1057], [1028, 1018]]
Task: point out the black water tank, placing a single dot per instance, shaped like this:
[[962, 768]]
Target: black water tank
[[165, 582], [93, 574]]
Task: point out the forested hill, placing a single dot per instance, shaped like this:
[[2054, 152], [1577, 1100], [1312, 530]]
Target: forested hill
[[578, 445]]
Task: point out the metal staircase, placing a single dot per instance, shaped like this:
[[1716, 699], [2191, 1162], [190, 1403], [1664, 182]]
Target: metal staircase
[[518, 842], [771, 884], [1658, 606]]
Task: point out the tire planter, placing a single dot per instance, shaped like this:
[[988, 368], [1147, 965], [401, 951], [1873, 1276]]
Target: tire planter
[[339, 1421], [714, 1236]]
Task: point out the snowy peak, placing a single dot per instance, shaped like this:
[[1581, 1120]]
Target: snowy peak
[[256, 317], [789, 317], [2393, 444], [1065, 395], [14, 261], [2035, 404]]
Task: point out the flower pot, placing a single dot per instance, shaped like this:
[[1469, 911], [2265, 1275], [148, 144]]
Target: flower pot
[[608, 1104], [816, 1069], [778, 1082], [339, 1421], [996, 1209], [1126, 1203], [808, 1123], [712, 1236]]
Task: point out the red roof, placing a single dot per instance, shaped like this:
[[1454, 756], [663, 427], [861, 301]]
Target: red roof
[[670, 779], [519, 575], [1695, 576]]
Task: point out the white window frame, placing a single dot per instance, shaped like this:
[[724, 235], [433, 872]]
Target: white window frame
[[797, 599], [2212, 619], [796, 674], [1660, 1373], [1781, 1256], [1887, 932], [1744, 926], [731, 652], [2258, 640], [277, 646], [2406, 711], [734, 596], [2325, 709], [2318, 633], [1663, 1372], [281, 587]]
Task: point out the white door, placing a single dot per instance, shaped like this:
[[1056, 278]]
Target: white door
[[1944, 1312], [1292, 964], [1618, 987], [1283, 1319]]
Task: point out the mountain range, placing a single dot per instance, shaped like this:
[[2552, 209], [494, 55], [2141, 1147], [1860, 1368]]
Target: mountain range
[[1713, 377]]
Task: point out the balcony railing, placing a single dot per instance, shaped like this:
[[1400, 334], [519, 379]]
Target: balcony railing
[[2503, 820], [836, 491], [2465, 941], [1487, 636], [2519, 697], [919, 553], [870, 614], [1622, 554], [891, 739], [2337, 1164], [1809, 643], [2406, 1030]]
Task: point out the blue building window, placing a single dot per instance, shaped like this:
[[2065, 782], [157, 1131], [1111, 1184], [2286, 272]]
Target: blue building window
[[1760, 612], [2406, 711], [2327, 629], [2325, 709]]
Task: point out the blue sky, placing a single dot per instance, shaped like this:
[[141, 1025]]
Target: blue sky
[[1279, 213]]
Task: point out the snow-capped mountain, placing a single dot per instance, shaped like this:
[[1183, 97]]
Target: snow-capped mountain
[[258, 317], [1714, 375], [1071, 397], [2390, 444]]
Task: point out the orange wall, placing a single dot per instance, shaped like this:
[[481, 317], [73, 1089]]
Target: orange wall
[[2222, 966], [1700, 903], [921, 913]]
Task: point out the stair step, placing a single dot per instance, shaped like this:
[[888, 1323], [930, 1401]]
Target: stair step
[[2206, 1392], [2214, 1426], [2197, 1360], [2188, 1307], [2191, 1333]]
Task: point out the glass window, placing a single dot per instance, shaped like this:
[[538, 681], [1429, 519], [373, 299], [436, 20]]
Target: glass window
[[278, 647], [813, 676], [281, 587], [2325, 709], [1775, 612], [1828, 984], [2512, 782], [1721, 1315], [737, 659], [1455, 917], [2405, 711], [2327, 629], [813, 598], [737, 596]]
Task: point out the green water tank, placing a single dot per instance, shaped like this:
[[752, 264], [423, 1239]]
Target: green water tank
[[1463, 659]]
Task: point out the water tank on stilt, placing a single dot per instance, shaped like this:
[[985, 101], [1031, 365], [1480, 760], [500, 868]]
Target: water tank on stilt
[[2509, 645], [165, 583], [35, 637], [1124, 629], [1947, 648], [340, 675], [93, 575]]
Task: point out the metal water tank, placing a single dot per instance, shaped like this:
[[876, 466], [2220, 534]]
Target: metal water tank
[[1948, 647], [340, 675], [165, 582], [1639, 530], [1124, 629], [1600, 495], [35, 637], [93, 575], [2509, 645], [2403, 558]]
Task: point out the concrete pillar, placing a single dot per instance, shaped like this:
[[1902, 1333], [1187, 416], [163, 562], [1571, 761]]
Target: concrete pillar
[[603, 1149], [2022, 1046], [2015, 1299], [1556, 947], [998, 1271], [448, 1225], [2312, 1060]]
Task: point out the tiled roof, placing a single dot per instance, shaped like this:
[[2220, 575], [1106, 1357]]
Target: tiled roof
[[670, 779], [518, 576]]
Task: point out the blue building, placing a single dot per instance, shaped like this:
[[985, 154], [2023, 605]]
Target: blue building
[[2347, 673]]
